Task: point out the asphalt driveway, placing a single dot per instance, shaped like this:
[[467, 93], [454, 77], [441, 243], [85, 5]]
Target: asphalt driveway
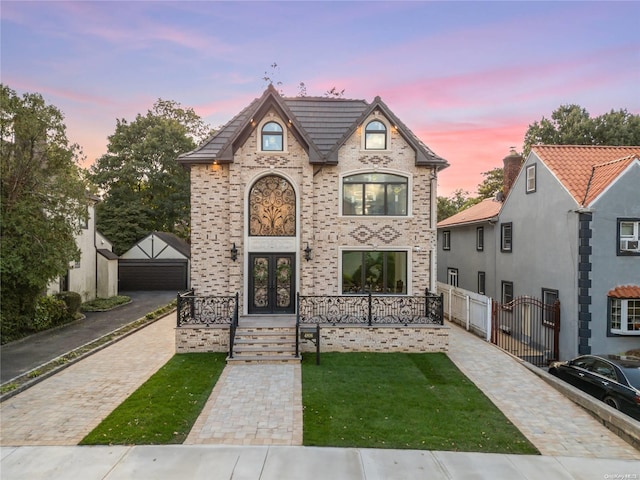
[[23, 355]]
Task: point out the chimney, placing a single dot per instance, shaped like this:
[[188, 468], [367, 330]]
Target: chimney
[[512, 164]]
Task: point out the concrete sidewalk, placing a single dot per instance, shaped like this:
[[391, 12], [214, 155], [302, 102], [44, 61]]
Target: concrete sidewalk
[[177, 462]]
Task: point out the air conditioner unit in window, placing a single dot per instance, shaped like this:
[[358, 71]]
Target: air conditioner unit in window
[[628, 244]]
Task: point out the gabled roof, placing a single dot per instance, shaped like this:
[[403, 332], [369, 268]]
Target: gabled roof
[[484, 211], [586, 171], [320, 124], [175, 241]]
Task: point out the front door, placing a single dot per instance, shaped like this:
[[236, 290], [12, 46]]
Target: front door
[[271, 283]]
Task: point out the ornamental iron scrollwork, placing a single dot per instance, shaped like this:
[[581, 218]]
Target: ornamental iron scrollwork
[[272, 208]]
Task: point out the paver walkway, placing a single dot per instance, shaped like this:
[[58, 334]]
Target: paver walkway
[[552, 422], [252, 405], [64, 408]]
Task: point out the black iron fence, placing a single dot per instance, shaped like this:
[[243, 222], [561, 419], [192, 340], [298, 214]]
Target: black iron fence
[[371, 309], [527, 328], [206, 310]]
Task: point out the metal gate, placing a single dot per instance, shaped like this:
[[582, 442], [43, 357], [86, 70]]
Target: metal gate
[[527, 328]]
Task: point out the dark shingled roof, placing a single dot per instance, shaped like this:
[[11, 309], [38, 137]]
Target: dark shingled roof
[[320, 124]]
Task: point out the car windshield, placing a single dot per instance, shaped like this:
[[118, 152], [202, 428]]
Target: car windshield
[[633, 375]]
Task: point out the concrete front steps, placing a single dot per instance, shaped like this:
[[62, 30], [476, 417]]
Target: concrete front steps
[[264, 344]]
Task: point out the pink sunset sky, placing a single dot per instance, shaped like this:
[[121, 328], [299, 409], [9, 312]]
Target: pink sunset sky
[[467, 77]]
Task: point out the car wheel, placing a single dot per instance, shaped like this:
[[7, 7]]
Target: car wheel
[[612, 402]]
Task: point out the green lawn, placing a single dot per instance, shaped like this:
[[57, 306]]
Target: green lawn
[[163, 409], [384, 400], [395, 400]]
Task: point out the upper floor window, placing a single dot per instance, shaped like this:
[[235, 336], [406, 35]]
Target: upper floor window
[[624, 316], [480, 238], [272, 208], [374, 194], [506, 237], [446, 240], [531, 178], [271, 134], [628, 236], [375, 136], [549, 299]]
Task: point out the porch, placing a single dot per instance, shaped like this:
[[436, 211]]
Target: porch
[[347, 323]]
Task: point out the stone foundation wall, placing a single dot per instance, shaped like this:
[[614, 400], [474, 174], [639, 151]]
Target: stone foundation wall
[[199, 339], [416, 339]]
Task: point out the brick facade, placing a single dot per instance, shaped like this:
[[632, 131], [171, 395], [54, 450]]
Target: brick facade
[[219, 195]]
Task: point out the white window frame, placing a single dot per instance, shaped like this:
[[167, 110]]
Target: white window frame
[[503, 296], [624, 316], [482, 282], [268, 119], [363, 143], [479, 239], [628, 244], [531, 181], [452, 276]]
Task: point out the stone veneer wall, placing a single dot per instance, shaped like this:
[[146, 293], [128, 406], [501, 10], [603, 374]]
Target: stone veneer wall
[[415, 339], [218, 218], [202, 339]]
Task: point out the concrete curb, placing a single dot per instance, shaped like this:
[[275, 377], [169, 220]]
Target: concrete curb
[[58, 368], [619, 423]]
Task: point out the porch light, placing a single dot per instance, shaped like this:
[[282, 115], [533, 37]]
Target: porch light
[[234, 252], [307, 253]]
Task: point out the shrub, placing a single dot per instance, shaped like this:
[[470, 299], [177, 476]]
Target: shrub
[[50, 311], [72, 299]]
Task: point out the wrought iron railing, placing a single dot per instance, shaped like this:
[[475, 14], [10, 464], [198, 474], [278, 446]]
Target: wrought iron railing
[[206, 310], [371, 309], [233, 327]]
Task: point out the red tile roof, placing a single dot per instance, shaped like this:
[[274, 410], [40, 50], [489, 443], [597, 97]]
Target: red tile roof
[[482, 211], [586, 171], [625, 291]]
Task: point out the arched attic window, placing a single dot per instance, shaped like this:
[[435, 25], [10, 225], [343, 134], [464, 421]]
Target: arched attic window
[[375, 136], [272, 137]]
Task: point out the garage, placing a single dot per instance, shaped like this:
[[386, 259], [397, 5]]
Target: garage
[[159, 261], [152, 275]]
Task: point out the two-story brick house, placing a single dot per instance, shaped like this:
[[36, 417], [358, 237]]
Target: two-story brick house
[[322, 196]]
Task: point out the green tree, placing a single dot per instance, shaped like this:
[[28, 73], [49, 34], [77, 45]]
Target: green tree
[[145, 189], [448, 206], [492, 183], [44, 198], [572, 125]]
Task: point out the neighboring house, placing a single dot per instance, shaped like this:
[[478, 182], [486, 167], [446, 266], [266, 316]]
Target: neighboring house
[[96, 273], [322, 196], [569, 229], [160, 261]]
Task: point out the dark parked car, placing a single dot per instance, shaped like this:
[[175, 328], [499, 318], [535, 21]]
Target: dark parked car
[[613, 379]]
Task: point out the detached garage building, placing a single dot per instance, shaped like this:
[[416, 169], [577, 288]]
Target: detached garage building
[[160, 261]]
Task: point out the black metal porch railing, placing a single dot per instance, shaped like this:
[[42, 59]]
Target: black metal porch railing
[[209, 310], [371, 309]]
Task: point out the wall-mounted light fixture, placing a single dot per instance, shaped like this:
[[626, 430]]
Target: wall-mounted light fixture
[[307, 252], [234, 252]]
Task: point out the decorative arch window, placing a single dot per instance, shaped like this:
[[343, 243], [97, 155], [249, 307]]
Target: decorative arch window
[[272, 137], [272, 208], [375, 136], [374, 194]]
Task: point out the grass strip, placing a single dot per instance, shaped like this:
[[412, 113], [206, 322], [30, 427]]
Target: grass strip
[[164, 409], [104, 304], [404, 401]]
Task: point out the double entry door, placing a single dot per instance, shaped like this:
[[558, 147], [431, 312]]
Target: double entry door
[[271, 283]]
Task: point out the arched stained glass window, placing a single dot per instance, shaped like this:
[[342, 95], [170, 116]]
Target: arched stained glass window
[[272, 208]]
